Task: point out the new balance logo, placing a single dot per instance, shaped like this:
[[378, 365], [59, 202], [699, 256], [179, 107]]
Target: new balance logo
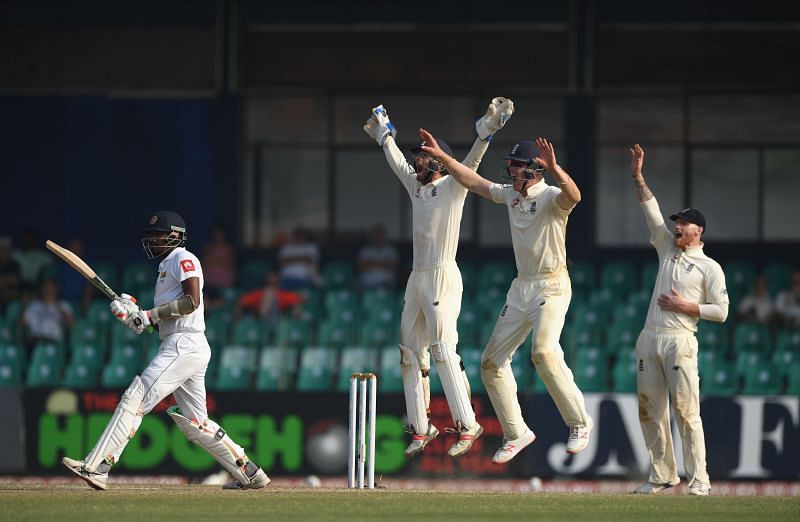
[[641, 365], [503, 311]]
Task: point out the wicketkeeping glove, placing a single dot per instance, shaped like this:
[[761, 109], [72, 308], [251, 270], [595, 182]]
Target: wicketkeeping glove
[[123, 307], [498, 113], [378, 125]]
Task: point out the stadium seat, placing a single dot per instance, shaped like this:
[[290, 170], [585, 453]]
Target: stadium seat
[[237, 367], [108, 272], [490, 306], [334, 334], [632, 313], [377, 299], [575, 335], [376, 334], [293, 332], [582, 277], [590, 319], [712, 336], [341, 305], [10, 376], [276, 368], [762, 378], [778, 277], [317, 367], [471, 359], [249, 331], [793, 379], [44, 374], [356, 359], [98, 312], [496, 274], [216, 331], [13, 358], [469, 276], [788, 340], [81, 376], [590, 368], [338, 275], [604, 302], [648, 277], [469, 324], [8, 330], [720, 380], [623, 374], [87, 331], [619, 277], [523, 369], [91, 355], [252, 274], [121, 335], [390, 378], [739, 278], [50, 353], [745, 360], [130, 355], [623, 335], [13, 310], [136, 276], [751, 337]]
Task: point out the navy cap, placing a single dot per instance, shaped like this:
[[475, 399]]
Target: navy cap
[[166, 221], [442, 145], [524, 150], [692, 215]]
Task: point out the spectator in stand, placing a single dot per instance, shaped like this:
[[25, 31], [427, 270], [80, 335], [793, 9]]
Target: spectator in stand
[[270, 302], [787, 304], [47, 317], [299, 262], [10, 278], [32, 259], [219, 268], [377, 261], [74, 287], [757, 307]]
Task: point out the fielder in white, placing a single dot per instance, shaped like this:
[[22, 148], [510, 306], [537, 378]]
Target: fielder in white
[[540, 294], [433, 293], [179, 368], [689, 286]]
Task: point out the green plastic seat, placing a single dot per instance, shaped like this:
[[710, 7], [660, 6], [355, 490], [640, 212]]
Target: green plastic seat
[[619, 277], [91, 355], [631, 314], [252, 274], [13, 309], [120, 334], [8, 330], [523, 369], [117, 375], [387, 313], [647, 281], [88, 331], [293, 332], [496, 274], [377, 298], [10, 375], [778, 276], [237, 368], [471, 359], [98, 312], [81, 376], [316, 370], [469, 324], [623, 374], [338, 275], [44, 374], [793, 379], [469, 276], [130, 355], [590, 368], [712, 336], [217, 331], [277, 367], [335, 334], [590, 319], [356, 359], [623, 335], [788, 340], [720, 380], [13, 358], [582, 276], [390, 377], [108, 272], [249, 331], [762, 378], [751, 337], [376, 334], [138, 275], [50, 353], [342, 305]]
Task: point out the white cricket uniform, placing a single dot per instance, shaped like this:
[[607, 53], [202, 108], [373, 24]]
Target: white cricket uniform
[[538, 299], [667, 353], [432, 299], [179, 368]]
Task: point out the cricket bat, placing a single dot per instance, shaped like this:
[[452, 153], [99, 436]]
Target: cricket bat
[[82, 268]]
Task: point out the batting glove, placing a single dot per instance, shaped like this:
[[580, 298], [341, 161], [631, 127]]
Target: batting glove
[[378, 126], [498, 113], [123, 307], [139, 321]]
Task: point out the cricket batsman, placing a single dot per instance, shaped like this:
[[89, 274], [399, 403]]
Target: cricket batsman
[[179, 368]]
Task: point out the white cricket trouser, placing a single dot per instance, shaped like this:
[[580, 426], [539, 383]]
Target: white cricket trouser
[[539, 304], [430, 311], [179, 368], [667, 370]]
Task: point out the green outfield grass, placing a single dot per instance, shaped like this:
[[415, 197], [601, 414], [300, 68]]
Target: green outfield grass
[[45, 502]]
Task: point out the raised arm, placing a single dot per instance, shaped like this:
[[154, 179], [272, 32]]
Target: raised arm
[[497, 114], [570, 193], [660, 236], [383, 131], [463, 174]]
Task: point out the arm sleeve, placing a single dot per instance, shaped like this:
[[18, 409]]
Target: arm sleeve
[[475, 155], [714, 312], [399, 165], [497, 192], [660, 236], [187, 266], [555, 207]]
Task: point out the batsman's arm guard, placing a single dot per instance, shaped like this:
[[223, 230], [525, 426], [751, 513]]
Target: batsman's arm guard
[[176, 308]]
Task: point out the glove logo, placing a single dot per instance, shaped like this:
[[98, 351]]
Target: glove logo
[[187, 265]]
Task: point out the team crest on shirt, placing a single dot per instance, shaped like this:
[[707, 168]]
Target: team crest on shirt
[[690, 268], [162, 275], [187, 265], [416, 194]]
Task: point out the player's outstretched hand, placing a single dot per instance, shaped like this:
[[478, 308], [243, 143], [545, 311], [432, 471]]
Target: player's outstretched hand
[[497, 114], [547, 154], [378, 126], [637, 160], [123, 306], [431, 146]]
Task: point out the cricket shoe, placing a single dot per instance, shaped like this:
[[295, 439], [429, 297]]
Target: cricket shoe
[[465, 439], [418, 442], [649, 488], [700, 489], [97, 480], [510, 448], [257, 480], [579, 437]]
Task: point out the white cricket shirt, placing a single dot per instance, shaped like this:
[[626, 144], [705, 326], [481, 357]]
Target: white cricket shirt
[[695, 276], [178, 266], [436, 207], [538, 228]]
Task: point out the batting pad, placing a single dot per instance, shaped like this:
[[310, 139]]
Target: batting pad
[[416, 389], [448, 364], [560, 383], [212, 438], [120, 429], [502, 390]]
